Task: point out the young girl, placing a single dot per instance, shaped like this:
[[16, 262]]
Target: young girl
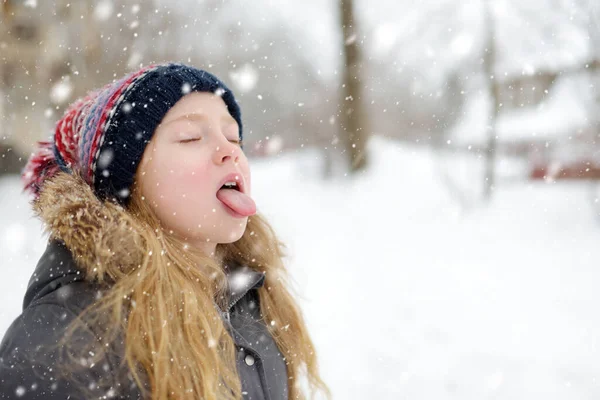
[[160, 280]]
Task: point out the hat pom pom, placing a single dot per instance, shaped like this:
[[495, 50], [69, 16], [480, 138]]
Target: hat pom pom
[[40, 166]]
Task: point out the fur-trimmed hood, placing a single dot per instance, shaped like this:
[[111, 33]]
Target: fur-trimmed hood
[[101, 239], [98, 233]]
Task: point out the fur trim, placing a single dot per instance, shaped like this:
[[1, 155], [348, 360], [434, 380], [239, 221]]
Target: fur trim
[[100, 234]]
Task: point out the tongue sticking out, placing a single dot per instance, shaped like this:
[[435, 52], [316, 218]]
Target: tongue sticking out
[[237, 201]]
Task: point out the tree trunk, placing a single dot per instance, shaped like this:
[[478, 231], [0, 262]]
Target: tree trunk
[[353, 114], [489, 61]]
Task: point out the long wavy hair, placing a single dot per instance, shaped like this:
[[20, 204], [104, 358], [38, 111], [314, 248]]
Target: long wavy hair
[[162, 304]]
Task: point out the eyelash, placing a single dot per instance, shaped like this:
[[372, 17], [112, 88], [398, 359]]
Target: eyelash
[[190, 140], [238, 142]]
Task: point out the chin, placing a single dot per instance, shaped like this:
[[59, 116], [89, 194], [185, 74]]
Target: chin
[[233, 236]]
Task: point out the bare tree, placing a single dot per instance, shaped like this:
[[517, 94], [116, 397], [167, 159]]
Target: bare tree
[[353, 113], [489, 61], [594, 65]]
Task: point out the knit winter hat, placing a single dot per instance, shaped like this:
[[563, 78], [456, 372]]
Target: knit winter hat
[[102, 136]]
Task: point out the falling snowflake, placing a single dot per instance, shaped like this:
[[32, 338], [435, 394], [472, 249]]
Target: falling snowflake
[[103, 10], [245, 77], [61, 92], [351, 39], [64, 292], [124, 193], [239, 280], [274, 145], [220, 92], [105, 158]]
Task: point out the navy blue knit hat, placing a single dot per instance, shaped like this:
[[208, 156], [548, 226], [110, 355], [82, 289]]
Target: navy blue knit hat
[[103, 136]]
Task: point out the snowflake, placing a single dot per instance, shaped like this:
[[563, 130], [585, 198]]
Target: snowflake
[[105, 158], [61, 92], [103, 10], [239, 280], [245, 77], [220, 92], [124, 193]]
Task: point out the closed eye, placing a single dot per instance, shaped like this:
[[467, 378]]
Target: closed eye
[[190, 140], [236, 141]]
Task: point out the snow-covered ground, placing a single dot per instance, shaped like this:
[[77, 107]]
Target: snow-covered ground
[[407, 296]]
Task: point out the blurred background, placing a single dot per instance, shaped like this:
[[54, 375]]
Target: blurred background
[[433, 167]]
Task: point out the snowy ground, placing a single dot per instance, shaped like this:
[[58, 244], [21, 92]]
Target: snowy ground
[[406, 296]]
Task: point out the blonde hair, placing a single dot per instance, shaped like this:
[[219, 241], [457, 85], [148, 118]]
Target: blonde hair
[[162, 304]]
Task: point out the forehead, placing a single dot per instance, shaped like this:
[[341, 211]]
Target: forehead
[[197, 105]]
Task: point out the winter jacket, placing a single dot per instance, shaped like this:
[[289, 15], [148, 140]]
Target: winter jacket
[[57, 293]]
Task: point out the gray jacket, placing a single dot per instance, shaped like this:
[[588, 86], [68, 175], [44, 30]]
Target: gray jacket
[[57, 293]]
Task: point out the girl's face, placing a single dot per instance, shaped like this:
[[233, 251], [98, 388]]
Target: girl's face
[[195, 147]]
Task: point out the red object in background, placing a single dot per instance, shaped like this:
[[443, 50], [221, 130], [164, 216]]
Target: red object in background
[[576, 170]]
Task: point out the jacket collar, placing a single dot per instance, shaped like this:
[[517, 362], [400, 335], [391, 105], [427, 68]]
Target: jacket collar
[[240, 280]]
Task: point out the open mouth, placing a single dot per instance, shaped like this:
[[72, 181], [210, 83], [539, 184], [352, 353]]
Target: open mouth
[[231, 185]]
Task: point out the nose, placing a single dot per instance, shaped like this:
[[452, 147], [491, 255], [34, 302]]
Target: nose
[[226, 151]]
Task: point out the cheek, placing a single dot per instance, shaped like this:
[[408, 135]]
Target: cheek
[[189, 175], [182, 182]]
